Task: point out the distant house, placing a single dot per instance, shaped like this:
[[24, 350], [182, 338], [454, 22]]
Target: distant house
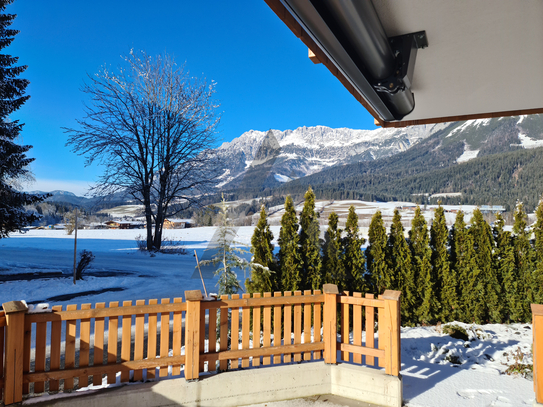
[[124, 224], [173, 223], [492, 208]]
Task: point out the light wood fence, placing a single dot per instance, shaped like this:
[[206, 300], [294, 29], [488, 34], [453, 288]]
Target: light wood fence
[[537, 332], [69, 348]]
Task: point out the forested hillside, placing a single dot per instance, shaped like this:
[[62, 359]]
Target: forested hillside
[[493, 161]]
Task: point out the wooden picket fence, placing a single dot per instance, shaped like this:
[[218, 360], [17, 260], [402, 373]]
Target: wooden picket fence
[[64, 349]]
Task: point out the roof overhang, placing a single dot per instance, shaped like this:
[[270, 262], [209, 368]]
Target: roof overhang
[[484, 59]]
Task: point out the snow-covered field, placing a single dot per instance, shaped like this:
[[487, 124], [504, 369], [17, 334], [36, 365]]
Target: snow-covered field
[[437, 370]]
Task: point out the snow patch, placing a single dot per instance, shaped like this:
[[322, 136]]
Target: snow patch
[[475, 123], [528, 142], [467, 154], [282, 178]]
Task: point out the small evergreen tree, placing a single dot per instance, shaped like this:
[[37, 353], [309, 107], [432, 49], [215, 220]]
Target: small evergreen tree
[[445, 277], [263, 263], [289, 259], [504, 263], [332, 264], [14, 164], [465, 267], [538, 253], [353, 257], [421, 255], [401, 267], [487, 305], [310, 244], [378, 271], [524, 259], [227, 255]]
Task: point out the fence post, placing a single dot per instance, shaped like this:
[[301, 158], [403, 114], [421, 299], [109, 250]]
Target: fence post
[[329, 323], [537, 332], [390, 329], [192, 334], [13, 380]]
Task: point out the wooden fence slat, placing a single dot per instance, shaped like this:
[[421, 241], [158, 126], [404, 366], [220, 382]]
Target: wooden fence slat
[[2, 350], [176, 337], [297, 326], [370, 330], [151, 339], [272, 350], [98, 313], [329, 322], [361, 350], [287, 335], [98, 344], [245, 329], [126, 341], [255, 302], [212, 342], [382, 333], [202, 338], [365, 302], [112, 340], [307, 324], [139, 340], [108, 369], [357, 327], [277, 327], [267, 329], [26, 350], [54, 364], [317, 323], [84, 346], [345, 328], [164, 337], [256, 330], [39, 361], [223, 347], [234, 336], [69, 350]]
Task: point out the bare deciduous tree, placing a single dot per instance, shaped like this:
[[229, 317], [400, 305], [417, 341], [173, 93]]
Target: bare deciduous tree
[[152, 126]]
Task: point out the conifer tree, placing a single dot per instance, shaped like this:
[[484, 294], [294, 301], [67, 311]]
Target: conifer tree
[[401, 268], [332, 262], [378, 271], [422, 262], [538, 253], [310, 244], [445, 277], [227, 255], [353, 257], [263, 262], [14, 164], [487, 305], [289, 259], [524, 258], [465, 267], [504, 263]]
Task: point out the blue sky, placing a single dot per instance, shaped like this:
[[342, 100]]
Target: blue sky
[[264, 78]]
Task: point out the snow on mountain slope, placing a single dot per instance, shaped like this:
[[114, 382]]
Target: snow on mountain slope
[[307, 150]]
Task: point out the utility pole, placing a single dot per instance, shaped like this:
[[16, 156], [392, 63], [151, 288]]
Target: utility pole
[[75, 244]]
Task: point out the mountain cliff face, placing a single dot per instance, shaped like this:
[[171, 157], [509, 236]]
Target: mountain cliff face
[[308, 150]]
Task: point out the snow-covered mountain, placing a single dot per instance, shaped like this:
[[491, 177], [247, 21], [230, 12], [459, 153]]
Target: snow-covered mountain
[[307, 150]]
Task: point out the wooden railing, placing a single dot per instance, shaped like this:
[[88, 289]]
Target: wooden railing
[[537, 332], [70, 348]]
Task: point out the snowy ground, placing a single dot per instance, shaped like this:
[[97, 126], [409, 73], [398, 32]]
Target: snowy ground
[[437, 369]]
